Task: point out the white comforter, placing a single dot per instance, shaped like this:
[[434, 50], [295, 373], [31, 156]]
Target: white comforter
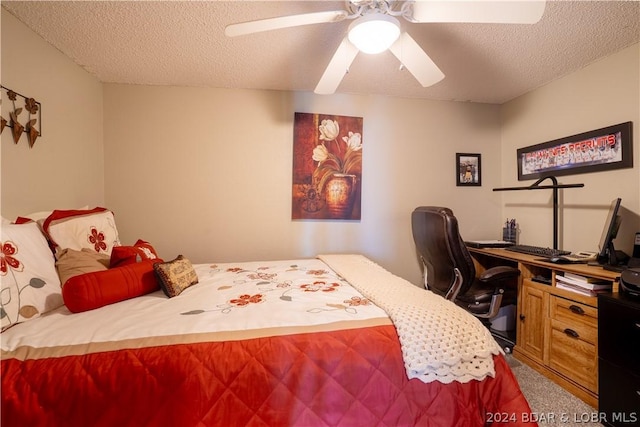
[[440, 341]]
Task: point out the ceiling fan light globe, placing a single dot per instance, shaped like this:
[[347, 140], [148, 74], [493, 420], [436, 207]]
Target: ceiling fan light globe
[[374, 33]]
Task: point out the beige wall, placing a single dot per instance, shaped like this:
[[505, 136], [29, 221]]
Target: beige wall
[[605, 93], [207, 172], [65, 169]]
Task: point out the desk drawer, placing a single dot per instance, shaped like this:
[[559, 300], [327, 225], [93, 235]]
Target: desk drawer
[[573, 312], [573, 352]]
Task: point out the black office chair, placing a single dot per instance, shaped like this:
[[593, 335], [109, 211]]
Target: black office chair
[[449, 269]]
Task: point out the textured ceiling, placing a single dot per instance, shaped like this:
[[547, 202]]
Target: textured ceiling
[[183, 43]]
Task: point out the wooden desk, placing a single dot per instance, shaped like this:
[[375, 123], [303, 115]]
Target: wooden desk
[[556, 329]]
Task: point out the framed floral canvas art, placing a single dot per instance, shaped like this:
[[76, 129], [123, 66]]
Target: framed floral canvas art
[[327, 167]]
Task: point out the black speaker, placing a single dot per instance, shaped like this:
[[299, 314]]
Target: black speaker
[[630, 282]]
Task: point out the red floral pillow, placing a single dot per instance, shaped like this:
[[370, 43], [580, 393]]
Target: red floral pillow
[[93, 229], [140, 251], [94, 290], [29, 284]]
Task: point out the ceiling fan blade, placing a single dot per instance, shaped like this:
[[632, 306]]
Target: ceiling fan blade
[[268, 24], [479, 11], [412, 56], [337, 68]]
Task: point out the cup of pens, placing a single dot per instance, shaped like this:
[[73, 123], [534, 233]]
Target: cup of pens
[[510, 231]]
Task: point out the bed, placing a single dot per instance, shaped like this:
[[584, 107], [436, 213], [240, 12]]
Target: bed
[[335, 340]]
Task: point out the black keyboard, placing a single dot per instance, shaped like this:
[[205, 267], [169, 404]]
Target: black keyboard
[[537, 251]]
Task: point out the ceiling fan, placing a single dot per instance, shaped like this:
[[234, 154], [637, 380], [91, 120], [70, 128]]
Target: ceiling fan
[[376, 28]]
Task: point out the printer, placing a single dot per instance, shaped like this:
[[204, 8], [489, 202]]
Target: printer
[[630, 282]]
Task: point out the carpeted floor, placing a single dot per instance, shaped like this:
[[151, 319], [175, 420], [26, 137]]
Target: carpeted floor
[[551, 403]]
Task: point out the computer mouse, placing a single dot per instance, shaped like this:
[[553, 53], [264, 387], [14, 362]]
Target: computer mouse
[[554, 259]]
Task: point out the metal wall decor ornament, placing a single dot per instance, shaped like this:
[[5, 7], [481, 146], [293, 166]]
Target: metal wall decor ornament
[[33, 125], [327, 167], [597, 150]]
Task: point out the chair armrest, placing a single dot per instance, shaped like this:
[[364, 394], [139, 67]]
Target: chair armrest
[[499, 273]]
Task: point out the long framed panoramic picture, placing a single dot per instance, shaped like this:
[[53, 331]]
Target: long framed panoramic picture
[[468, 170], [597, 150], [327, 167]]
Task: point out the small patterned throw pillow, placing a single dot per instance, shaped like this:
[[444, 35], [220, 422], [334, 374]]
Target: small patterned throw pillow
[[29, 284], [176, 275]]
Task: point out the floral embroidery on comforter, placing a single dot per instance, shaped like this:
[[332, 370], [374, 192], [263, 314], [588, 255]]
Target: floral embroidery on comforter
[[257, 283], [254, 299]]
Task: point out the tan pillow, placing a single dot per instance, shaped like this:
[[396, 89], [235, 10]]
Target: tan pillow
[[73, 263]]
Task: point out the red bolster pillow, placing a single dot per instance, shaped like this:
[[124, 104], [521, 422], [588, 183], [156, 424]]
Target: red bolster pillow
[[94, 290]]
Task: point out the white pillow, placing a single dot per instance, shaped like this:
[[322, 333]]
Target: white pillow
[[29, 283], [93, 229], [39, 217]]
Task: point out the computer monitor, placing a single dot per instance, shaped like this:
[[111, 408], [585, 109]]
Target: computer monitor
[[607, 253]]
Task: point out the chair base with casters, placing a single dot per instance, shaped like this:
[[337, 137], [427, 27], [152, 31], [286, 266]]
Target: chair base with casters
[[449, 270]]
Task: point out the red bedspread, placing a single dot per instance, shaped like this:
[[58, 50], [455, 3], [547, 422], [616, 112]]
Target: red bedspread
[[342, 378]]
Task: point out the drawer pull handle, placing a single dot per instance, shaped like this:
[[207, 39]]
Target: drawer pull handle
[[522, 317], [571, 333], [637, 325], [576, 309]]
